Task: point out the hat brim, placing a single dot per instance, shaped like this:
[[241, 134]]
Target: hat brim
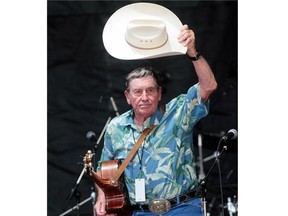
[[115, 28]]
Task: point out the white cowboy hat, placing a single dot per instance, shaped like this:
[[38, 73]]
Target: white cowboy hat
[[142, 31]]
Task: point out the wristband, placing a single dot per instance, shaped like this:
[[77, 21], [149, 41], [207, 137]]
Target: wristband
[[194, 58]]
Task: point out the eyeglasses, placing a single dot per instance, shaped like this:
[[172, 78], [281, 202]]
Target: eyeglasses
[[149, 91]]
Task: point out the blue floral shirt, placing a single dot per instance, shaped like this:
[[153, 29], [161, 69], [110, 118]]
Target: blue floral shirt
[[165, 158]]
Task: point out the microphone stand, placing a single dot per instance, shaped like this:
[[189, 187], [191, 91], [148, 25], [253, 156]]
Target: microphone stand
[[105, 126], [102, 132], [75, 192], [92, 197], [200, 164], [107, 122], [201, 190]]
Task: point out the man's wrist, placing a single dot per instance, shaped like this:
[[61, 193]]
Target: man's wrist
[[195, 57]]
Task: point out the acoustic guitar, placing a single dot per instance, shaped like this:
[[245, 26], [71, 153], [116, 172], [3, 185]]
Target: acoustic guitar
[[110, 178], [112, 184]]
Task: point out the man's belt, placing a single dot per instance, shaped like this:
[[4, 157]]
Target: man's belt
[[162, 206]]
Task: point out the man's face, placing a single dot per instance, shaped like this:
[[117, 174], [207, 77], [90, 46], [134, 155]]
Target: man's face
[[143, 95]]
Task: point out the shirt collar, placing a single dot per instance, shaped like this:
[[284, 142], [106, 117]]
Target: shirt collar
[[152, 120]]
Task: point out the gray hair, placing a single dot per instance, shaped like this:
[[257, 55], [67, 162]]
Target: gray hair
[[142, 72]]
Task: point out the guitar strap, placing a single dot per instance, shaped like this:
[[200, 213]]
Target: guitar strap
[[125, 163]]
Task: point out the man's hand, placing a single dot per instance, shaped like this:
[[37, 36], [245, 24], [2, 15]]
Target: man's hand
[[99, 207], [187, 39]]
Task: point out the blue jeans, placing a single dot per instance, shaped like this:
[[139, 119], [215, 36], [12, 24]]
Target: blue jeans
[[192, 207]]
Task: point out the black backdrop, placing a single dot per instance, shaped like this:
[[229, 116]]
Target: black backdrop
[[82, 77]]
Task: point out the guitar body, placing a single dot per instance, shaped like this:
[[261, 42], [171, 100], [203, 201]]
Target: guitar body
[[116, 194]]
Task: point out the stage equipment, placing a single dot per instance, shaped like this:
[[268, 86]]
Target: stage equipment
[[91, 136], [76, 207], [114, 106], [200, 161], [201, 189]]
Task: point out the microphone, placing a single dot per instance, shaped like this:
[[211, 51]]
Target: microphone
[[231, 134], [91, 136], [114, 106]]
